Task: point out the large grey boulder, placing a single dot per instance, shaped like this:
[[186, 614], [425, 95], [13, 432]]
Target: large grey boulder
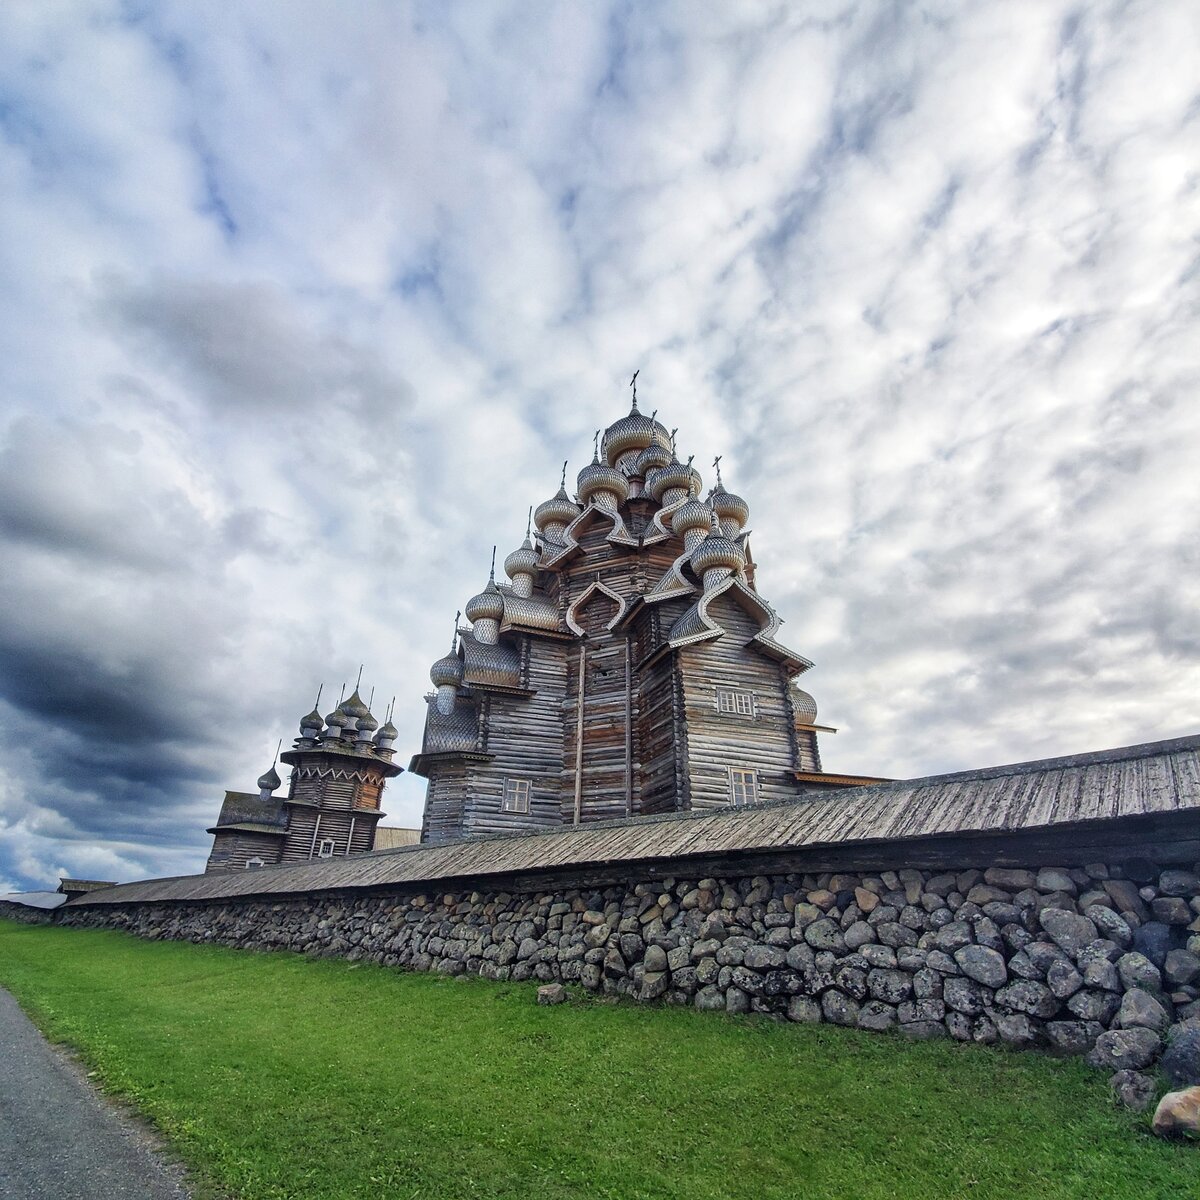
[[839, 1009], [982, 964], [965, 995], [1120, 1049], [889, 986], [1110, 924], [1181, 1059], [1133, 1089], [1139, 1009], [1028, 996], [1137, 971], [877, 1016], [1067, 930], [1181, 968], [1154, 938]]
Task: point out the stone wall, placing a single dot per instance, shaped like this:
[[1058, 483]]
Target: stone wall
[[1100, 960], [26, 913]]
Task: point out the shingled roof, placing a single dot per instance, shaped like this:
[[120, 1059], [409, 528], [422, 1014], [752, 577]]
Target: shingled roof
[[1076, 802]]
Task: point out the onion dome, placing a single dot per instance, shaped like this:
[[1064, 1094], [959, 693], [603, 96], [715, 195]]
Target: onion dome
[[654, 457], [634, 432], [312, 721], [367, 725], [337, 718], [805, 707], [560, 509], [487, 606], [717, 551], [355, 708], [694, 514], [674, 475], [729, 507], [447, 672], [596, 477], [522, 561], [269, 781], [387, 732]]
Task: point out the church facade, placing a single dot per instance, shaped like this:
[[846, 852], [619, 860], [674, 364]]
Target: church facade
[[340, 764], [628, 666]]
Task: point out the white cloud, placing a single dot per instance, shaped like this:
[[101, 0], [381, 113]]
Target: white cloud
[[306, 311]]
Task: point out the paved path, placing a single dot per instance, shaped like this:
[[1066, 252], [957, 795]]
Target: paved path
[[60, 1140]]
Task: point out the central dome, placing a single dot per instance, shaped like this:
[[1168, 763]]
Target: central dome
[[633, 432]]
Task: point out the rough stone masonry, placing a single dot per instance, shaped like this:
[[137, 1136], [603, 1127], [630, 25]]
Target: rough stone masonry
[[1101, 960]]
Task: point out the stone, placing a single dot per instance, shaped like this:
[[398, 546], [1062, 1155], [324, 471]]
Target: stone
[[889, 986], [981, 964], [764, 958], [804, 1009], [877, 1016], [892, 933], [960, 1026], [1007, 877], [1068, 931], [879, 956], [927, 984], [940, 961], [710, 999], [982, 894], [866, 901], [1072, 1037], [1125, 1049], [965, 996], [924, 1031], [1063, 980], [1140, 1009], [953, 936], [915, 1011], [1175, 882], [839, 1009], [655, 959], [1125, 896], [1056, 879], [824, 934], [1094, 1006], [823, 899], [736, 1001], [654, 984], [1181, 968], [859, 933], [1178, 1114], [1181, 1059], [1111, 925], [1137, 971], [1133, 1089], [1017, 1029], [1028, 996], [1100, 973], [1171, 910]]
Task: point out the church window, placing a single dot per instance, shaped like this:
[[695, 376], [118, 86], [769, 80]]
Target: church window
[[743, 786], [516, 796], [326, 848], [251, 863], [739, 704]]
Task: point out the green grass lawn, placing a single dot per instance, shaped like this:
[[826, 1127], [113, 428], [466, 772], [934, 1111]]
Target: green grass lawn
[[277, 1076]]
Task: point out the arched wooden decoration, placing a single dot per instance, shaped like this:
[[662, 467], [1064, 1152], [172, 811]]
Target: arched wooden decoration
[[578, 605]]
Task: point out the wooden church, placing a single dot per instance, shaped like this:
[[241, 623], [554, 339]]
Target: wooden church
[[629, 665]]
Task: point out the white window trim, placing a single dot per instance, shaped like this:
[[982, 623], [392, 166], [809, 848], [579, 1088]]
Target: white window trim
[[254, 863], [325, 848], [735, 702], [519, 787], [745, 780]]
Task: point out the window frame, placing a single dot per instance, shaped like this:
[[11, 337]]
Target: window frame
[[252, 864], [735, 702], [521, 793], [321, 852], [744, 779]]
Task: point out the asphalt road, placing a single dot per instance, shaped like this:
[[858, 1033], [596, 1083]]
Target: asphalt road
[[59, 1139]]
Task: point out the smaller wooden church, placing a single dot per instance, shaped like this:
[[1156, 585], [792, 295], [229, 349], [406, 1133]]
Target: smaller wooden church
[[628, 666], [340, 764]]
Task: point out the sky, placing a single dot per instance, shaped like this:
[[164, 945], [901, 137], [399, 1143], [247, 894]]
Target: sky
[[304, 304]]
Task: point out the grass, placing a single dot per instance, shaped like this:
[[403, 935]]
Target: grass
[[273, 1075]]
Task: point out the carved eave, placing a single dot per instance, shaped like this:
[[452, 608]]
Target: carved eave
[[673, 583], [367, 765], [620, 535], [592, 589], [248, 827], [697, 625], [659, 529], [420, 764]]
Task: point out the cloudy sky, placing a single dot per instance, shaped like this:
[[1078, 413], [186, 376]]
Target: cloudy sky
[[304, 304]]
